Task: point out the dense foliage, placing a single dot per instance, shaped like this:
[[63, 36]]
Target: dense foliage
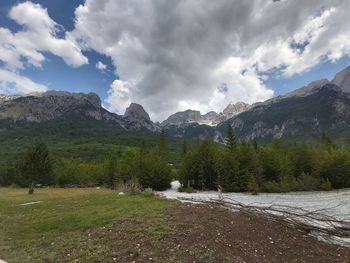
[[147, 165], [240, 167], [205, 165]]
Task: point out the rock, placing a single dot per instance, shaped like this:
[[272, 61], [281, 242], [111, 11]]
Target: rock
[[234, 109], [211, 118], [136, 117], [179, 118], [70, 109], [342, 79], [136, 111]]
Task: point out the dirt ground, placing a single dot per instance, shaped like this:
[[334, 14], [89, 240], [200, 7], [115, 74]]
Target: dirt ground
[[204, 233]]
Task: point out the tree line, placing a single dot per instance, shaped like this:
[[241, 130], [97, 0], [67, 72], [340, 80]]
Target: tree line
[[147, 166], [236, 166], [278, 167]]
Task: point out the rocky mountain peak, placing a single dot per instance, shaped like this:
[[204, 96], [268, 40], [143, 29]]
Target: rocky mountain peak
[[136, 111], [181, 117], [342, 79], [4, 97], [39, 107], [210, 115], [308, 89], [211, 118], [81, 98], [233, 109]]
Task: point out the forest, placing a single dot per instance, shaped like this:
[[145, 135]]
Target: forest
[[236, 166]]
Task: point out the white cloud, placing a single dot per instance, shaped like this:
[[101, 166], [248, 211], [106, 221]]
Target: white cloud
[[175, 54], [101, 66], [39, 34], [11, 82], [26, 47], [119, 96]]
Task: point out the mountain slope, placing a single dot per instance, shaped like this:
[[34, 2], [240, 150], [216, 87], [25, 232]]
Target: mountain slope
[[342, 79], [211, 118], [69, 109], [326, 109], [302, 114]]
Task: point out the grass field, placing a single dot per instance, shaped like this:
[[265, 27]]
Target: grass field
[[98, 225], [46, 231]]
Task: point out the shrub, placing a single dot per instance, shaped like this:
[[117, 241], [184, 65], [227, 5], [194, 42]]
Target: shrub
[[133, 186], [253, 186], [271, 187], [325, 185], [308, 182], [335, 167], [148, 192], [188, 189]]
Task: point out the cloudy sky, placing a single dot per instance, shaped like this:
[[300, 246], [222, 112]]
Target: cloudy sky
[[171, 55]]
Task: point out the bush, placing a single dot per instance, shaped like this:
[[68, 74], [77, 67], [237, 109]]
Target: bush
[[133, 186], [271, 187], [201, 166], [151, 170], [308, 182], [148, 192], [334, 166], [325, 185], [253, 186], [188, 189]]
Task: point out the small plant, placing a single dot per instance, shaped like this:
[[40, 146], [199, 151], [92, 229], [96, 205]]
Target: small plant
[[134, 186], [148, 192], [326, 185], [188, 189], [271, 187], [253, 186]]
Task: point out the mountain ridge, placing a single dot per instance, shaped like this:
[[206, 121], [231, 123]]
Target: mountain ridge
[[211, 118], [322, 105], [51, 105]]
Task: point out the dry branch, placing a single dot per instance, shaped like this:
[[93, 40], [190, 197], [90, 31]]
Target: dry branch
[[315, 222]]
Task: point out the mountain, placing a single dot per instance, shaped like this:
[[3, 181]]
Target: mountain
[[320, 106], [178, 118], [136, 118], [234, 109], [77, 109], [342, 79], [211, 118], [304, 114]]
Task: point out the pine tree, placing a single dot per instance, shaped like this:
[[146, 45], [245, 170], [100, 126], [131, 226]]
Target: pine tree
[[184, 148], [327, 141], [231, 141], [163, 147]]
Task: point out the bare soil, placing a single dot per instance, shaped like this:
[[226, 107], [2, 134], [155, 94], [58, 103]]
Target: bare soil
[[203, 233]]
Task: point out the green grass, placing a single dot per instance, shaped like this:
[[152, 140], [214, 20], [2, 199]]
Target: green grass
[[43, 231]]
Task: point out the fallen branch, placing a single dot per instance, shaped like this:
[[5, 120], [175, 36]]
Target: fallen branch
[[314, 222]]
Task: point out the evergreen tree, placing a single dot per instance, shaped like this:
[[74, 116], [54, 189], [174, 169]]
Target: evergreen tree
[[327, 141], [231, 141], [163, 147], [184, 148], [228, 172], [37, 166]]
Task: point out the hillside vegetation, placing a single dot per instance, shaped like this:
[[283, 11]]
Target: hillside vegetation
[[202, 165]]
